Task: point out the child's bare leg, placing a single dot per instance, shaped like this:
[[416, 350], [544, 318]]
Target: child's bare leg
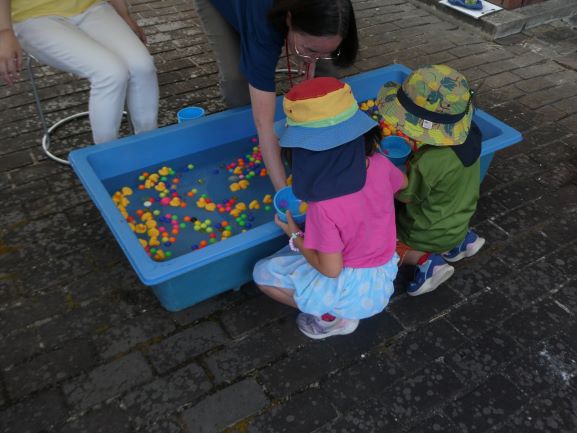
[[284, 296], [411, 257]]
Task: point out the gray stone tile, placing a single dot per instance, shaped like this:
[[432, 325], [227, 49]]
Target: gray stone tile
[[37, 414], [126, 335], [301, 414], [485, 406], [156, 400], [49, 368], [185, 345], [226, 407], [107, 381]]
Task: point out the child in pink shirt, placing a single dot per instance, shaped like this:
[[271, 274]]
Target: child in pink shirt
[[342, 269]]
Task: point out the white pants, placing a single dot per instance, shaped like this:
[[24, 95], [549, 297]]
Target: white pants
[[100, 46]]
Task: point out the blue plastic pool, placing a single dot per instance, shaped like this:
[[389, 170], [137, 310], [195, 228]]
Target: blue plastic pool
[[198, 275]]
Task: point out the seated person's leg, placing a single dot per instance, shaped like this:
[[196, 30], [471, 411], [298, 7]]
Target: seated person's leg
[[104, 25], [59, 43]]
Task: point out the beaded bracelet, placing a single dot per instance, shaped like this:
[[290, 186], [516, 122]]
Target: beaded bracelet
[[292, 238]]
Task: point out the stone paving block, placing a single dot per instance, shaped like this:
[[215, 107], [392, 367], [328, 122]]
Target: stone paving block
[[128, 334], [552, 154], [522, 219], [476, 360], [476, 275], [487, 208], [184, 345], [412, 311], [22, 346], [302, 369], [496, 80], [369, 378], [548, 413], [537, 322], [154, 401], [74, 358], [29, 310], [37, 414], [301, 414], [374, 331], [85, 320], [434, 424], [563, 174], [552, 364], [518, 192], [481, 312], [494, 235], [15, 160], [485, 406], [548, 96], [165, 426], [252, 314], [538, 70], [526, 286], [527, 249], [107, 381], [421, 393], [417, 348], [206, 308], [254, 351], [225, 407], [525, 166], [370, 417], [106, 420]]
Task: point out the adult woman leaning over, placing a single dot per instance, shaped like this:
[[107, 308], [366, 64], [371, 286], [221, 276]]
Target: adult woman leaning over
[[248, 38]]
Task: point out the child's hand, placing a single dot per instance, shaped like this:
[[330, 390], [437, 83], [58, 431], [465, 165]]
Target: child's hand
[[288, 227]]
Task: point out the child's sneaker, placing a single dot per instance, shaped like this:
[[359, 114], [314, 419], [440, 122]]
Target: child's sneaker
[[316, 328], [430, 275], [469, 247]]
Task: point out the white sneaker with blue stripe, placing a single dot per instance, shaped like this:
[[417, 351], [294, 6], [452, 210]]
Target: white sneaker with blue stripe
[[468, 248], [430, 275]]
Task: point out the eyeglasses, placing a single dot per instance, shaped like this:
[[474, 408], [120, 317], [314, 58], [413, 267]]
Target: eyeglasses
[[312, 58]]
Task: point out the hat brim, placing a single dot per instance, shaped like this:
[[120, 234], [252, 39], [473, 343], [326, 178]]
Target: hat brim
[[325, 138], [394, 114], [333, 173]]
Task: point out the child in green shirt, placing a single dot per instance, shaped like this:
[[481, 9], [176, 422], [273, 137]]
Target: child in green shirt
[[434, 107]]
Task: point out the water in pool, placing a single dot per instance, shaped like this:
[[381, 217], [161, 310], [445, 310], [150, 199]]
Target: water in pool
[[194, 201]]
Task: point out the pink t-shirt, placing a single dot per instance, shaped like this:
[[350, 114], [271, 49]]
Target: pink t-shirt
[[360, 225]]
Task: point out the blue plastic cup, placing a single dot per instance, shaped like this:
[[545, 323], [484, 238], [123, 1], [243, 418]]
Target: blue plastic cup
[[396, 149], [284, 200], [189, 113]]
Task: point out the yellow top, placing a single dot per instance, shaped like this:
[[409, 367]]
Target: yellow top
[[26, 9]]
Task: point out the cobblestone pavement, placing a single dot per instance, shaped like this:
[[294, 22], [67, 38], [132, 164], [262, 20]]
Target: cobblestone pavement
[[87, 348]]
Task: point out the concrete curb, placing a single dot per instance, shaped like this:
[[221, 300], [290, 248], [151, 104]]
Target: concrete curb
[[505, 23]]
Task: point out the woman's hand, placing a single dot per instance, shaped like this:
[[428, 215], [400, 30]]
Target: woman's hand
[[288, 227], [10, 56], [136, 28]]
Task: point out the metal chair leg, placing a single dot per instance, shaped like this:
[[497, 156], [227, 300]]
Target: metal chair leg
[[47, 130]]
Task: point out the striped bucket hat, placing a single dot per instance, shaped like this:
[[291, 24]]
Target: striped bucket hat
[[321, 113]]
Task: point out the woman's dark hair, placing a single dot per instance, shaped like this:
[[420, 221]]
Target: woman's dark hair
[[372, 138], [321, 18]]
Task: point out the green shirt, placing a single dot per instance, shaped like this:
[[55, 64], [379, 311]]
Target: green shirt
[[442, 195]]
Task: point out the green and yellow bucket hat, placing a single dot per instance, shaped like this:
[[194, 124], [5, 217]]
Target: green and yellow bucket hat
[[433, 105]]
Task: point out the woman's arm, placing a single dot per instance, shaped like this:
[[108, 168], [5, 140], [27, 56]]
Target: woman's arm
[[329, 264], [10, 51], [121, 9], [263, 109]]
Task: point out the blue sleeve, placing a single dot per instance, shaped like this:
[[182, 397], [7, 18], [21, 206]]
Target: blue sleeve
[[260, 43]]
